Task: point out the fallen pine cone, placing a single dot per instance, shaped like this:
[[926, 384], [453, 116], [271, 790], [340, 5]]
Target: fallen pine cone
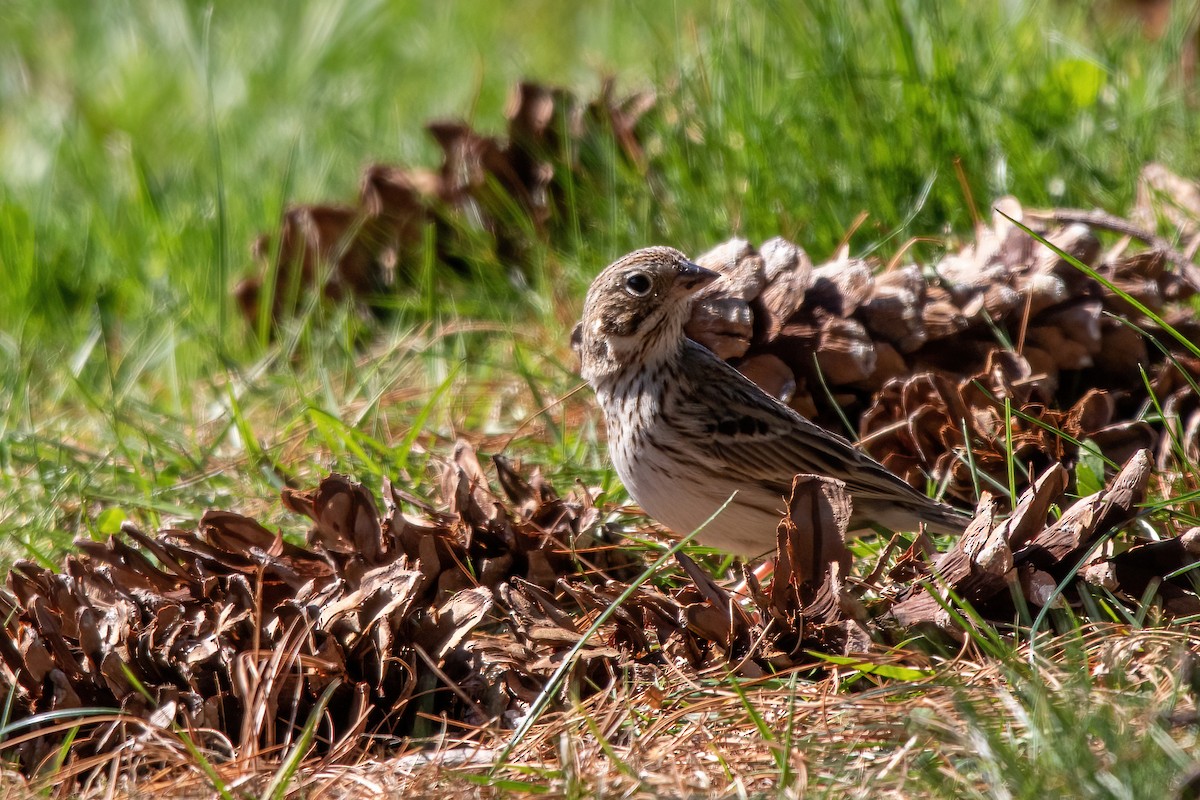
[[235, 633], [926, 359], [360, 252]]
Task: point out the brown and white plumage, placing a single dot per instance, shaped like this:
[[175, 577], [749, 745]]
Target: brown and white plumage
[[686, 430]]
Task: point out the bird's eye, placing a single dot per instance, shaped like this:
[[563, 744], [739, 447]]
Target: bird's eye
[[637, 284]]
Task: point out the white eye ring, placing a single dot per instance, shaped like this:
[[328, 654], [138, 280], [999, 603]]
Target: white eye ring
[[637, 284]]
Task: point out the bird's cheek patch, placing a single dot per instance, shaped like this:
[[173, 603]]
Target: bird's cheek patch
[[622, 324]]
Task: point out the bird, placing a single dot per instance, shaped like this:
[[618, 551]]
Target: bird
[[687, 431]]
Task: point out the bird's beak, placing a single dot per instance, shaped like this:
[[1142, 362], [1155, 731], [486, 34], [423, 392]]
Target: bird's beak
[[694, 277]]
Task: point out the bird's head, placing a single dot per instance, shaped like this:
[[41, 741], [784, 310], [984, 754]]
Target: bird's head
[[636, 309]]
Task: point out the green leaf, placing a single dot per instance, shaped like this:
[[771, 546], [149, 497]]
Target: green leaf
[[110, 519], [1089, 472], [1079, 81], [502, 784], [892, 671]]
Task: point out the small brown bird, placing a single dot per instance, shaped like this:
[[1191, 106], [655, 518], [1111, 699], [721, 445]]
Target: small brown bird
[[686, 430]]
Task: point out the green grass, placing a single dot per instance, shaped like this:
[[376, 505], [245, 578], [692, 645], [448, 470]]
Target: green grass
[[144, 145]]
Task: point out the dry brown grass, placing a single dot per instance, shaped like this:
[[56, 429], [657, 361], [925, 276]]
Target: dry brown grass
[[664, 734]]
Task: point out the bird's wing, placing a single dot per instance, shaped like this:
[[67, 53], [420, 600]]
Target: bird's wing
[[769, 442]]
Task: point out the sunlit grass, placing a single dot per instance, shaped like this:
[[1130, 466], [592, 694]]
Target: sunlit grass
[[144, 145]]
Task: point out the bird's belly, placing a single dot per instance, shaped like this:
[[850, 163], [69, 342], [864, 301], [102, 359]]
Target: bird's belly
[[682, 495]]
